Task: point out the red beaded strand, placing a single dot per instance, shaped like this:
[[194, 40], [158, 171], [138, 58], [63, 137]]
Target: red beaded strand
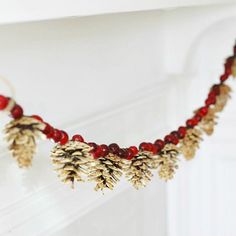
[[60, 136]]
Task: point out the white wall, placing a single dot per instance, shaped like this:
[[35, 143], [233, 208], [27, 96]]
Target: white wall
[[120, 78]]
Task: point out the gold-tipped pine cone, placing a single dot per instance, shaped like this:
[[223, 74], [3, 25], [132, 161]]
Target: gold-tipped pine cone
[[222, 98], [208, 122], [190, 143], [21, 134], [138, 172], [72, 161], [106, 172], [168, 161], [233, 68]]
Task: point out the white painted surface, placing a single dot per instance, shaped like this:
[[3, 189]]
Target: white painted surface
[[13, 11], [121, 78]]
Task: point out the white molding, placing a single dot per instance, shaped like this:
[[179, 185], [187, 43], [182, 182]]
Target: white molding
[[13, 11]]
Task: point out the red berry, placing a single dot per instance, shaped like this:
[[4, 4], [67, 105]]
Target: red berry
[[216, 89], [168, 138], [94, 146], [182, 131], [47, 128], [134, 150], [202, 111], [64, 138], [17, 112], [150, 147], [160, 143], [98, 152], [123, 153], [175, 133], [114, 148], [105, 150], [190, 123], [130, 154], [143, 146], [157, 149], [78, 138], [48, 131], [37, 118], [228, 70], [224, 77], [171, 139], [57, 135], [3, 102], [212, 94], [210, 101], [197, 118]]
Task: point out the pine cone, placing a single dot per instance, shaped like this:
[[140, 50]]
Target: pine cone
[[190, 143], [138, 171], [223, 97], [208, 123], [106, 171], [234, 68], [167, 161], [72, 161], [21, 135]]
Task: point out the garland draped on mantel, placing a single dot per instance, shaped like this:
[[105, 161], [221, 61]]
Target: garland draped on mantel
[[77, 160]]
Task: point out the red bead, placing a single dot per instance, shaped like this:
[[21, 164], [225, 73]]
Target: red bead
[[143, 146], [130, 154], [94, 146], [3, 102], [123, 153], [114, 148], [210, 101], [64, 138], [197, 118], [171, 139], [202, 111], [229, 63], [168, 138], [17, 112], [216, 89], [134, 150], [48, 131], [224, 77], [157, 149], [175, 140], [78, 138], [98, 152], [175, 133], [160, 143], [182, 131], [37, 118], [212, 94], [105, 150], [150, 147], [190, 123], [57, 135], [47, 128]]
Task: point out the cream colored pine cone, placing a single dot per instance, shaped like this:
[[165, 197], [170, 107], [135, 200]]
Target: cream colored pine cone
[[208, 122], [190, 143], [167, 161], [72, 161], [21, 134], [106, 172], [138, 172]]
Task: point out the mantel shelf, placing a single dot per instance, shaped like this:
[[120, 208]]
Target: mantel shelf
[[13, 11]]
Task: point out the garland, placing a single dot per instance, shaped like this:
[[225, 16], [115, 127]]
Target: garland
[[76, 160]]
